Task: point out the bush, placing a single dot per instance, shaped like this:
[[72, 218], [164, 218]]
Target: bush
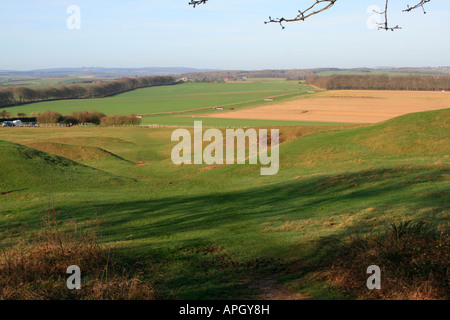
[[414, 261], [36, 270], [118, 120], [5, 114], [80, 117], [50, 117]]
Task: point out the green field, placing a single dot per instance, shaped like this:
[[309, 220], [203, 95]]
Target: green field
[[177, 98], [208, 232]]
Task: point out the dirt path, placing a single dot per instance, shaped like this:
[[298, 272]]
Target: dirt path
[[270, 288], [140, 164]]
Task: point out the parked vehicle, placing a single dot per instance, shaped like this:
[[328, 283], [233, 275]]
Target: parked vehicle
[[7, 124]]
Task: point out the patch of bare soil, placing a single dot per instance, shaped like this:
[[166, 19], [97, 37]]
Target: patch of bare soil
[[346, 106], [211, 167], [141, 163], [270, 288]]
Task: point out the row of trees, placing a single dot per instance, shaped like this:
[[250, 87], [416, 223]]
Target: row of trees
[[380, 82], [210, 76], [20, 95], [302, 74], [119, 120], [82, 117]]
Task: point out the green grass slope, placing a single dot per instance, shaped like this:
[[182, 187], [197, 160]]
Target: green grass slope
[[210, 233], [419, 138], [75, 152], [28, 168]]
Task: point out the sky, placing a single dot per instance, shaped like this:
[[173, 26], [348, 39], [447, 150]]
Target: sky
[[223, 34]]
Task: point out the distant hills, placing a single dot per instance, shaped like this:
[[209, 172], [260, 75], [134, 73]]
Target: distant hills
[[96, 72], [209, 74]]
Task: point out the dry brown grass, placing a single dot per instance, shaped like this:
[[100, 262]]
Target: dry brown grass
[[36, 269], [414, 262]]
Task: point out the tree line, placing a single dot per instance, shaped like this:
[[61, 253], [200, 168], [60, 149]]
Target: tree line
[[83, 117], [234, 75], [302, 74], [380, 82], [20, 95]]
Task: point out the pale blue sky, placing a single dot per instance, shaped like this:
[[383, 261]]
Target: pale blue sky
[[224, 34]]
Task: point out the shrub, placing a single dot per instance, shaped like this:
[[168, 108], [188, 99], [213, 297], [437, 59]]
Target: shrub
[[79, 117], [36, 270], [119, 120], [5, 114], [49, 117], [414, 261]]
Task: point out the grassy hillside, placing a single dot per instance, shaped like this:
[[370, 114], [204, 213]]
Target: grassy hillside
[[212, 232], [26, 168], [74, 152]]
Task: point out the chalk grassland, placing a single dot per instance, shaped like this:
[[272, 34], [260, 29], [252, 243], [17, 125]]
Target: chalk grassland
[[210, 232], [167, 99], [345, 106]]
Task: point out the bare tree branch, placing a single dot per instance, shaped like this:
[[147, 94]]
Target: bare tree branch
[[385, 25], [196, 3], [302, 15], [419, 5], [327, 4]]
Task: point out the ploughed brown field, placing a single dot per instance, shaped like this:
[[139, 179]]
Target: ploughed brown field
[[346, 106]]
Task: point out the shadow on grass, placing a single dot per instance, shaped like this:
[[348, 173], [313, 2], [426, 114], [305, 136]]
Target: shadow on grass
[[306, 198], [207, 244]]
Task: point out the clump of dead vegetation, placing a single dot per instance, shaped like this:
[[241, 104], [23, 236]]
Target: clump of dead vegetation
[[413, 258], [36, 269]]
